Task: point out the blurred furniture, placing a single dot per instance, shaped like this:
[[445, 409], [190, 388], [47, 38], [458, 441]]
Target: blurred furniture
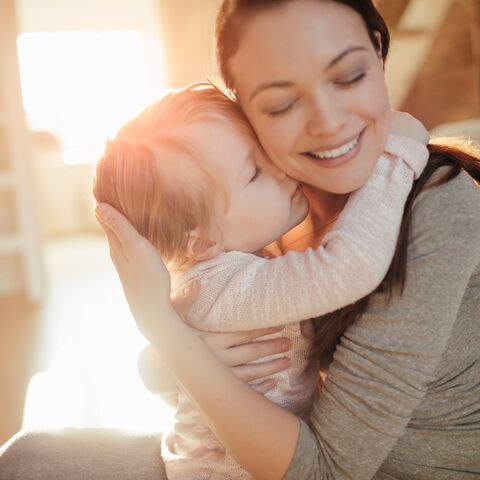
[[188, 28], [415, 32], [464, 128], [21, 268]]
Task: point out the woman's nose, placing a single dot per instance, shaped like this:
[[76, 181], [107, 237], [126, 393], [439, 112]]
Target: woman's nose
[[326, 116]]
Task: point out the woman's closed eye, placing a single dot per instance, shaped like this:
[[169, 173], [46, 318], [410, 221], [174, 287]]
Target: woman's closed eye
[[277, 112], [351, 80], [344, 82]]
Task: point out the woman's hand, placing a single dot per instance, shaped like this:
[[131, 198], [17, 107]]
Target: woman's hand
[[402, 123], [144, 277], [235, 350], [238, 349]]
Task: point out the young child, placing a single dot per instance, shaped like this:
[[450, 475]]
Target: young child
[[191, 176]]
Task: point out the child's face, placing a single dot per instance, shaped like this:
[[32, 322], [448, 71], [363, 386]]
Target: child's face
[[263, 203]]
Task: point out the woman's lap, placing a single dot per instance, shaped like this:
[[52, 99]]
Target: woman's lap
[[81, 454]]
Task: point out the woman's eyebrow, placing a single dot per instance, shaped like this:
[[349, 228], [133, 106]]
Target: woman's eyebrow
[[284, 84], [265, 86], [343, 54]]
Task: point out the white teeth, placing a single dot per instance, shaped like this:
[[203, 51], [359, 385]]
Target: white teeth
[[337, 152]]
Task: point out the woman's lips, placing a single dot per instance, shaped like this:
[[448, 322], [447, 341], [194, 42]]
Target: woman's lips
[[342, 159]]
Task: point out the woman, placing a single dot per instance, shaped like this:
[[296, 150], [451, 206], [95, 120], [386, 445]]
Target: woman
[[309, 76], [401, 399]]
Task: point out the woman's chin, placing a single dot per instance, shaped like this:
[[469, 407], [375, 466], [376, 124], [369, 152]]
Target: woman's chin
[[339, 188], [346, 181]]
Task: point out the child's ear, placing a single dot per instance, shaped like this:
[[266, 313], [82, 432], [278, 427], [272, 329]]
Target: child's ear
[[201, 247]]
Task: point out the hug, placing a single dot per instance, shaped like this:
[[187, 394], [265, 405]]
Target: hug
[[327, 251]]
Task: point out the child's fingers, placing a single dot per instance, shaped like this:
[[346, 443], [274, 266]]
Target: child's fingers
[[402, 123], [257, 371]]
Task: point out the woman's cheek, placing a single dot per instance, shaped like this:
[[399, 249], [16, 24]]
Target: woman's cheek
[[279, 138], [271, 133], [379, 102]]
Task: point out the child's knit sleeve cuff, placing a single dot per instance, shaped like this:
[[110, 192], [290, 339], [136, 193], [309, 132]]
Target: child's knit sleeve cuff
[[414, 153]]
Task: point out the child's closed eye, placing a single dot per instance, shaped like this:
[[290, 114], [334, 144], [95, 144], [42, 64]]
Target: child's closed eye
[[255, 175]]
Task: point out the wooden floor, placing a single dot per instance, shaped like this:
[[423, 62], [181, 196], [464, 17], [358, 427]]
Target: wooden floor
[[83, 310], [19, 321]]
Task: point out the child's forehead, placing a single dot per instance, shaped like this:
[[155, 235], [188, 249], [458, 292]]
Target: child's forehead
[[222, 146], [220, 130], [237, 126]]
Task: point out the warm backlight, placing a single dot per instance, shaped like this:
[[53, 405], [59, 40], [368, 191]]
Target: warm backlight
[[82, 86]]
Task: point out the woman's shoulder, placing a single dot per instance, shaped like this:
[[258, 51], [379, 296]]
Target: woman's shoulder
[[451, 208]]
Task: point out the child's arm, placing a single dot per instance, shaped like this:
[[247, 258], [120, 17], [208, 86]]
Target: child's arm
[[351, 262]]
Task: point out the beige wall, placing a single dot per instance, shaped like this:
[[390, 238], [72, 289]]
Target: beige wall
[[179, 33], [21, 266], [189, 36], [433, 68], [65, 196], [447, 87]]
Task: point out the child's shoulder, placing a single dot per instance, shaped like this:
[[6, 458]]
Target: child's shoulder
[[215, 266]]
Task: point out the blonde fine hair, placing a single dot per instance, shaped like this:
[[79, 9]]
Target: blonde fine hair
[[153, 172]]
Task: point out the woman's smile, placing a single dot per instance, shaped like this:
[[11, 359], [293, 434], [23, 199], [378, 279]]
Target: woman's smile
[[339, 156]]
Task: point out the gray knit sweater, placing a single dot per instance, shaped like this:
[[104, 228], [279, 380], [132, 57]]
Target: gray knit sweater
[[402, 398]]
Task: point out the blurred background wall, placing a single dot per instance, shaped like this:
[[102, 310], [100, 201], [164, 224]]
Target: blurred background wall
[[70, 74]]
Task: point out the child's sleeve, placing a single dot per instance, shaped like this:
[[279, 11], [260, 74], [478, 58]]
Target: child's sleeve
[[351, 262]]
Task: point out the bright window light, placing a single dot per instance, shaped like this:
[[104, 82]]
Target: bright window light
[[88, 348], [82, 86]]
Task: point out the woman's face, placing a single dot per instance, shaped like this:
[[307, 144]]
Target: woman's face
[[312, 85]]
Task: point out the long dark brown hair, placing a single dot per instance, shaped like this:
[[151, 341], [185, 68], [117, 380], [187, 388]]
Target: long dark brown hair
[[457, 155], [234, 14]]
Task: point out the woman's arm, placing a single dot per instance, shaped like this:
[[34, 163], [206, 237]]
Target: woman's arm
[[387, 360], [222, 398], [381, 370], [236, 350]]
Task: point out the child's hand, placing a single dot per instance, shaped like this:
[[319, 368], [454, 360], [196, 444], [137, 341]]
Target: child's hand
[[402, 123]]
